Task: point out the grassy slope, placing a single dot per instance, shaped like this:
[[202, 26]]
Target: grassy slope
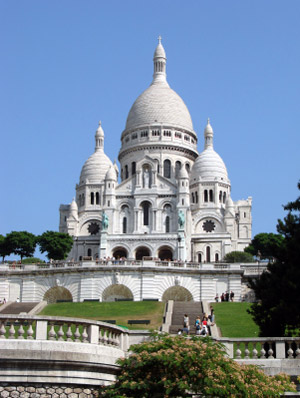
[[120, 311], [234, 321]]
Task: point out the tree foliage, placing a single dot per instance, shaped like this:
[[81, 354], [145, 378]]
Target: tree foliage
[[21, 243], [175, 366], [238, 257], [56, 244], [5, 250], [278, 289], [265, 245]]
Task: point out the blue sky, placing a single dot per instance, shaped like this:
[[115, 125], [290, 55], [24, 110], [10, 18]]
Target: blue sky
[[66, 64]]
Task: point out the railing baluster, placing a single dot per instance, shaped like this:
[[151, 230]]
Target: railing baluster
[[21, 332], [247, 352], [238, 352], [290, 351], [77, 334], [270, 351], [30, 331], [262, 351], [2, 330], [297, 352], [61, 333], [84, 335], [11, 331], [69, 333], [254, 351], [52, 334]]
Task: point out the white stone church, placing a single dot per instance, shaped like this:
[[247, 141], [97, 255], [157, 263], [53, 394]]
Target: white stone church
[[167, 200]]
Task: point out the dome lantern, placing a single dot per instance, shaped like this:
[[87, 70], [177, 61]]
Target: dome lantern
[[208, 135], [159, 61], [99, 138]]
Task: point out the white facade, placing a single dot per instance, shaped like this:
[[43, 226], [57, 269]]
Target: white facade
[[167, 201]]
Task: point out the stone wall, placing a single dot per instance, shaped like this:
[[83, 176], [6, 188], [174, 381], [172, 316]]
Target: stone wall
[[26, 390]]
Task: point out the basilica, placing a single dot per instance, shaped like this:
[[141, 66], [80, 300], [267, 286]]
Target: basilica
[[166, 200]]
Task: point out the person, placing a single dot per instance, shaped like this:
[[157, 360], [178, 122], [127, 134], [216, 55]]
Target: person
[[231, 296], [198, 325], [217, 298], [222, 297], [4, 300], [227, 296], [186, 321]]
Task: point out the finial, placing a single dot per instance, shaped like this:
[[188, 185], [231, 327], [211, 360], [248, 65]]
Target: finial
[[99, 123], [159, 39], [208, 120]]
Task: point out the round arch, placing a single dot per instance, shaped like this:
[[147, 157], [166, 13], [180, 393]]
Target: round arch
[[113, 292], [177, 293], [141, 252], [165, 253], [119, 252], [57, 293]]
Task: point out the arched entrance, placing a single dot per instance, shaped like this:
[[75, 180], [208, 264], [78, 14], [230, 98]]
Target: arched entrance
[[165, 253], [113, 292], [142, 252], [120, 252], [177, 293], [57, 293]]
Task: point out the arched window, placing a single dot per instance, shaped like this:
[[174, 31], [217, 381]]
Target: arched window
[[196, 195], [211, 195], [205, 195], [167, 168], [199, 258], [122, 175], [193, 197], [92, 198], [220, 196], [224, 197], [177, 168], [89, 252], [133, 168], [187, 166], [83, 200], [126, 172], [97, 198], [124, 226], [167, 224], [208, 254], [216, 257], [146, 211]]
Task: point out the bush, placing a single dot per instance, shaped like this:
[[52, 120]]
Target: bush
[[32, 260], [238, 257], [175, 366]]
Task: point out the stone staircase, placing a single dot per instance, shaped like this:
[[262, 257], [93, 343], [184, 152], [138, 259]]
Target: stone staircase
[[192, 309], [17, 308]]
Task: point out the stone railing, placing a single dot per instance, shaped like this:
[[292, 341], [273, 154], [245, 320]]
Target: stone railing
[[24, 327], [248, 269], [263, 348]]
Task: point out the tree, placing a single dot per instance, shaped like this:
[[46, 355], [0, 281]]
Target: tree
[[56, 244], [238, 257], [265, 245], [5, 250], [176, 367], [277, 289], [21, 243]]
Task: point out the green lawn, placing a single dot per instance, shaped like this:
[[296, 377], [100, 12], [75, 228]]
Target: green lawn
[[234, 321], [120, 311]]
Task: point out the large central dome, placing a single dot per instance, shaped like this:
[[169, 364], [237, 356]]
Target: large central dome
[[159, 103]]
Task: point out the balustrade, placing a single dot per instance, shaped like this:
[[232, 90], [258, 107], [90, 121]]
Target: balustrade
[[60, 329], [263, 348]]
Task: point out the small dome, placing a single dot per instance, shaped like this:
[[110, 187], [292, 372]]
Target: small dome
[[229, 202], [159, 104], [99, 131], [209, 165], [95, 168], [111, 174], [74, 209], [183, 173]]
